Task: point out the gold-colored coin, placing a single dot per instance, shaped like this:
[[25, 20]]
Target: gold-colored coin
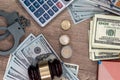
[[65, 25]]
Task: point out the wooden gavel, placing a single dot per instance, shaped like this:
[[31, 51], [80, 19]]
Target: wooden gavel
[[45, 70]]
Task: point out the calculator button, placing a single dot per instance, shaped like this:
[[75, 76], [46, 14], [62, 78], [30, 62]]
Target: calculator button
[[39, 12], [32, 0], [42, 20], [59, 5], [27, 3], [55, 8], [36, 4], [51, 13], [50, 3], [46, 16], [41, 1], [45, 6], [32, 9], [55, 1]]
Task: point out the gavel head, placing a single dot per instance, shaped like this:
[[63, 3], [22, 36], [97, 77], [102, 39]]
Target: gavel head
[[45, 70], [49, 69]]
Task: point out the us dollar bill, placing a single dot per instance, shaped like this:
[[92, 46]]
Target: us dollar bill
[[74, 68], [106, 30], [95, 49], [36, 48], [11, 58], [101, 54], [78, 14], [74, 15], [40, 46], [24, 56], [96, 56], [68, 74]]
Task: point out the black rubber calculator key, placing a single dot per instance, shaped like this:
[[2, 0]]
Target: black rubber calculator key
[[50, 12], [27, 3], [39, 12], [42, 20], [36, 4], [55, 1], [32, 0], [41, 1], [45, 6], [32, 9], [55, 8], [46, 16], [50, 3]]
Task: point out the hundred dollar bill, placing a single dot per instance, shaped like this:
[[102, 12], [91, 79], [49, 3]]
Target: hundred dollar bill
[[96, 56], [94, 48], [81, 10], [101, 54], [39, 47], [68, 74], [24, 43], [16, 72], [73, 68], [87, 8], [36, 48], [74, 15], [106, 30]]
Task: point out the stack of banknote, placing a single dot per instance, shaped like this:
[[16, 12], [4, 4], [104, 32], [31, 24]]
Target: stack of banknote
[[81, 10], [25, 55], [104, 38]]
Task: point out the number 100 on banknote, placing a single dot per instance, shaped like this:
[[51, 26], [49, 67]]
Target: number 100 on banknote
[[106, 32]]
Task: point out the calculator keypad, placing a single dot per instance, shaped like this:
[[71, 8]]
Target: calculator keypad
[[43, 10]]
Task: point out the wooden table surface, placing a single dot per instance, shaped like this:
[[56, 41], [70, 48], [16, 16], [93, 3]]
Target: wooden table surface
[[78, 35]]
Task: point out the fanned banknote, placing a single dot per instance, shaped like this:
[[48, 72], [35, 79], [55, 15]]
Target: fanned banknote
[[81, 10], [25, 54]]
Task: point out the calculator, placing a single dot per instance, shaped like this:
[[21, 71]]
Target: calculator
[[43, 11]]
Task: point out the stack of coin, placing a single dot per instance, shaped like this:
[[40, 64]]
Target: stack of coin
[[66, 51]]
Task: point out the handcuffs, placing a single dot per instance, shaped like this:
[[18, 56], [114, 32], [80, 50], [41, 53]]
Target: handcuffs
[[15, 27]]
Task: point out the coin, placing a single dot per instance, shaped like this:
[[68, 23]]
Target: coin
[[64, 39], [66, 52], [65, 25]]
